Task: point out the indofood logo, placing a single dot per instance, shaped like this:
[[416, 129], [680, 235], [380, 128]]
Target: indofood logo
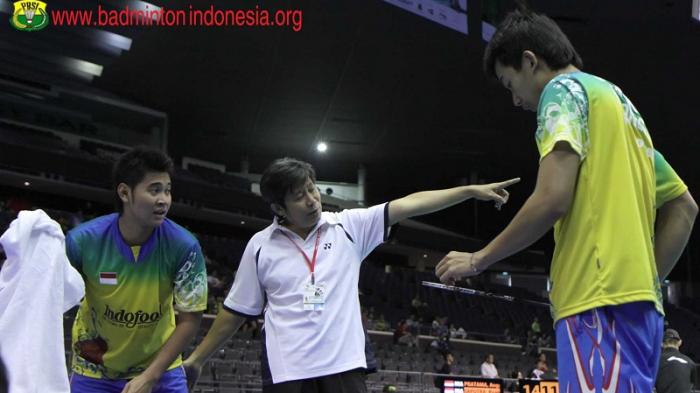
[[29, 16], [131, 319]]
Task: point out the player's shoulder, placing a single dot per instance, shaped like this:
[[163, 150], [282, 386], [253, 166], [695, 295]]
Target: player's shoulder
[[173, 232], [573, 82], [95, 228]]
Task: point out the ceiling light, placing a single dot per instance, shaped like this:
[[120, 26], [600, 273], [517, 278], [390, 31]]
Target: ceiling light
[[322, 147]]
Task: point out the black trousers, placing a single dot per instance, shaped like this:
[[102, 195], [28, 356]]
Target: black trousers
[[352, 381]]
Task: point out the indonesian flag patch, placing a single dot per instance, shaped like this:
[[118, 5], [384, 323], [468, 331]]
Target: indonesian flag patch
[[108, 278]]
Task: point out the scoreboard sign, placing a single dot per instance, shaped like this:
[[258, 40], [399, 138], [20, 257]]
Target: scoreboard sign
[[472, 385], [531, 386]]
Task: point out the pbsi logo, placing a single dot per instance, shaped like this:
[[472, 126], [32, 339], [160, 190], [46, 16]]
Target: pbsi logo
[[29, 16]]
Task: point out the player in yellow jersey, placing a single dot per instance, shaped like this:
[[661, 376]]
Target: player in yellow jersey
[[138, 267], [602, 186]]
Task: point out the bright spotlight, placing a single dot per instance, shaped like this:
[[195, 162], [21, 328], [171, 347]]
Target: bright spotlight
[[322, 147]]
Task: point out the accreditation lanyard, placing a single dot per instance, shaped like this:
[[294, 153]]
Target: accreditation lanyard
[[311, 263]]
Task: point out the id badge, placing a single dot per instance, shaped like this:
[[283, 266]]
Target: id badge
[[314, 297]]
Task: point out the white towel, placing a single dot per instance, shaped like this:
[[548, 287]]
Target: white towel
[[37, 285]]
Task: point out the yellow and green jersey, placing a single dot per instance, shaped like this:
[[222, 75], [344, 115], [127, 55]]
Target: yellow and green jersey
[[604, 252], [127, 314]]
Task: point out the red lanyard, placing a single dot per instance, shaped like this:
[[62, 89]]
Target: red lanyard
[[311, 263]]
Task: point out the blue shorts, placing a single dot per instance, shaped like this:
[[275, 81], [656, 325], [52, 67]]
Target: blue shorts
[[172, 381], [612, 349]]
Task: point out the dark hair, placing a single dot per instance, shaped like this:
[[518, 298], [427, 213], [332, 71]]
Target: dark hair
[[523, 30], [283, 176], [671, 340], [133, 166]]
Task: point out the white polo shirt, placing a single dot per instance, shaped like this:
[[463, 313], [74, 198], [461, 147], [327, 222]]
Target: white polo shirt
[[272, 275]]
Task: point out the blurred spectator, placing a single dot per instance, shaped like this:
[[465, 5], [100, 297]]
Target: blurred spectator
[[457, 333], [403, 335], [488, 368], [445, 369], [677, 372], [439, 327], [389, 388], [540, 370], [418, 307], [535, 327], [400, 331], [434, 326], [412, 324], [515, 385], [442, 344], [448, 360], [381, 323]]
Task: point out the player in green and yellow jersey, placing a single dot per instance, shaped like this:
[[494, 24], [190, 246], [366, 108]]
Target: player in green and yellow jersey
[[136, 264], [600, 185]]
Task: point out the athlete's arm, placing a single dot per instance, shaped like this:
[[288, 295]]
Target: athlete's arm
[[551, 199], [674, 223], [225, 325], [185, 331], [425, 202]]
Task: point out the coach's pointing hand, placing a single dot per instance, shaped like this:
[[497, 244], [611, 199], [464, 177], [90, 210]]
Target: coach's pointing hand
[[493, 192]]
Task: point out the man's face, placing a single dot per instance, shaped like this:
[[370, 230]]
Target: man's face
[[522, 84], [303, 205], [149, 201]]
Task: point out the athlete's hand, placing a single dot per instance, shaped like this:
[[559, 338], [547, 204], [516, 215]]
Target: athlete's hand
[[456, 265], [141, 384], [192, 372]]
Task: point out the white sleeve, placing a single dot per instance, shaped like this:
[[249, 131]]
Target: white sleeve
[[247, 296], [367, 228]]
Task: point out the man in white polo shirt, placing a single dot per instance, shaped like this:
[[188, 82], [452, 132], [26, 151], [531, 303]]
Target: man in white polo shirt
[[302, 273]]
